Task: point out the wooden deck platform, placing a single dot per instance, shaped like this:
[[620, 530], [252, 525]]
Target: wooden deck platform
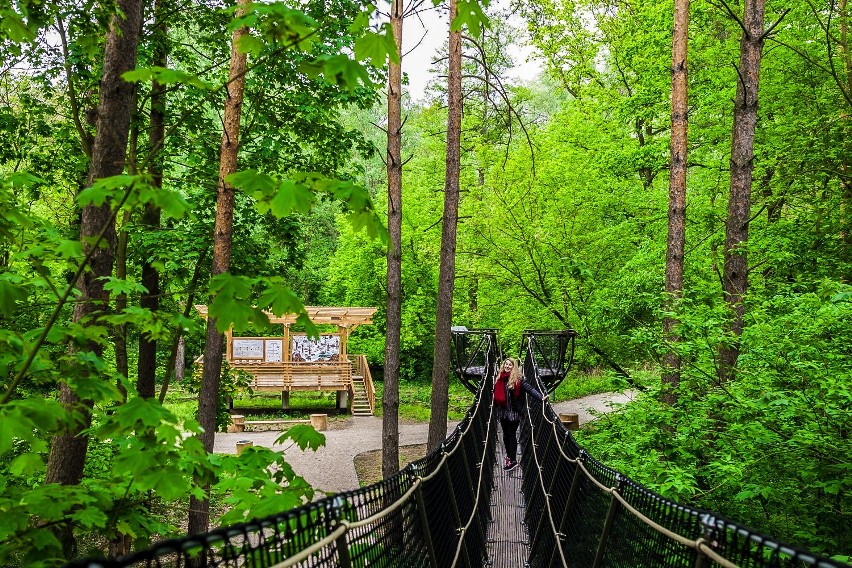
[[508, 540]]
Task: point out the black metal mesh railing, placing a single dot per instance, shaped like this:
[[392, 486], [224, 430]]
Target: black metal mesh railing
[[435, 512], [582, 513], [474, 354], [554, 355]]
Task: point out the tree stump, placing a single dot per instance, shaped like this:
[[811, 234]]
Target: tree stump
[[238, 423], [570, 421], [319, 422]]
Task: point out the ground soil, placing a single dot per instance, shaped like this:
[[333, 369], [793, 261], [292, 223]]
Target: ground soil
[[368, 465]]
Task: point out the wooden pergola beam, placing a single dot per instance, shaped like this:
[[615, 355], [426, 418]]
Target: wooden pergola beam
[[350, 318]]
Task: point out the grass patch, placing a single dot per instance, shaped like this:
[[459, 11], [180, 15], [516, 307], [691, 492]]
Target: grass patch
[[300, 402], [578, 385], [415, 400]]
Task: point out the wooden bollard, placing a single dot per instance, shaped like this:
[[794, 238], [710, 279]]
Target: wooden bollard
[[243, 444], [319, 422], [571, 421], [238, 423]]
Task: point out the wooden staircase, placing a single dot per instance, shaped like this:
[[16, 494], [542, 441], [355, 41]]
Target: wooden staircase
[[360, 399]]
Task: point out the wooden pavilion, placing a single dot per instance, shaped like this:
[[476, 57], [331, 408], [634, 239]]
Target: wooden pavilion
[[295, 362]]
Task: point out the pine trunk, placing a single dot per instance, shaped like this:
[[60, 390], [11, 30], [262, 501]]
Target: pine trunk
[[199, 509], [390, 396], [446, 276], [677, 199], [735, 270]]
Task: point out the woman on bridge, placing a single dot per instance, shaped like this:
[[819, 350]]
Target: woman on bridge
[[509, 399]]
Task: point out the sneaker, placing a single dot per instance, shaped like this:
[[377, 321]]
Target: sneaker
[[510, 465]]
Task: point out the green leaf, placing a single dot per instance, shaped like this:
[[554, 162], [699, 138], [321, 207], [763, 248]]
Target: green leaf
[[291, 196], [26, 464], [13, 27], [369, 221], [253, 183], [166, 76], [119, 286], [69, 249], [90, 518], [112, 187], [377, 47], [171, 203], [471, 16], [11, 292], [304, 436], [339, 70], [231, 305], [280, 299], [251, 45]]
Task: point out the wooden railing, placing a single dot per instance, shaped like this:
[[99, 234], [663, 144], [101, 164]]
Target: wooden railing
[[361, 368], [316, 375]]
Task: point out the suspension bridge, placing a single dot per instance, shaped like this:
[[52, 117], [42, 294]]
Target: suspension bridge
[[457, 507]]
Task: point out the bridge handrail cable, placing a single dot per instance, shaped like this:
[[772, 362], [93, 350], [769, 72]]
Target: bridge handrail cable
[[712, 544], [432, 513]]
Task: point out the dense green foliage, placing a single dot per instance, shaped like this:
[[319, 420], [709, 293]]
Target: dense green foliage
[[562, 223], [569, 229]]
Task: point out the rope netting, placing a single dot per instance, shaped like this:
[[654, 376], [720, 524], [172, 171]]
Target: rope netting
[[436, 511], [582, 513]]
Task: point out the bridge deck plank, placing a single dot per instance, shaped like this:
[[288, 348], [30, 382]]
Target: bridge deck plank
[[508, 540]]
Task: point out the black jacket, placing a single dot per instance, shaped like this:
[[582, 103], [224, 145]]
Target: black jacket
[[516, 404]]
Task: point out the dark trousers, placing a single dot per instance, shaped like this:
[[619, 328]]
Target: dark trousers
[[510, 437]]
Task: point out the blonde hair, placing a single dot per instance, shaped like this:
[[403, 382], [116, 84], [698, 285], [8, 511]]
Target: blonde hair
[[515, 374]]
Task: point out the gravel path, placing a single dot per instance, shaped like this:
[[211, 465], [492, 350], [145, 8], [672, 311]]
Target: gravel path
[[331, 467]]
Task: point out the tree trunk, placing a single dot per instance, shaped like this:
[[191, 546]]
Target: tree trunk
[[176, 358], [446, 276], [390, 395], [199, 510], [845, 167], [68, 450], [180, 355], [120, 330], [150, 299], [677, 200], [67, 457], [735, 270]]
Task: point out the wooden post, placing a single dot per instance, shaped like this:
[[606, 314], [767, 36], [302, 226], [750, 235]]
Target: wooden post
[[319, 422], [243, 444], [229, 344], [344, 334], [238, 423], [285, 400], [285, 347], [570, 421]]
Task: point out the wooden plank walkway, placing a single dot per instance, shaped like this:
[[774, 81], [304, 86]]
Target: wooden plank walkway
[[507, 539]]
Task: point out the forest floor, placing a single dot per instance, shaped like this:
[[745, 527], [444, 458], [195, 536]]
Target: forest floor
[[352, 452]]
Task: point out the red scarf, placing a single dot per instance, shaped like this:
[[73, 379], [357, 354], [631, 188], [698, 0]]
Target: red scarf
[[500, 389]]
